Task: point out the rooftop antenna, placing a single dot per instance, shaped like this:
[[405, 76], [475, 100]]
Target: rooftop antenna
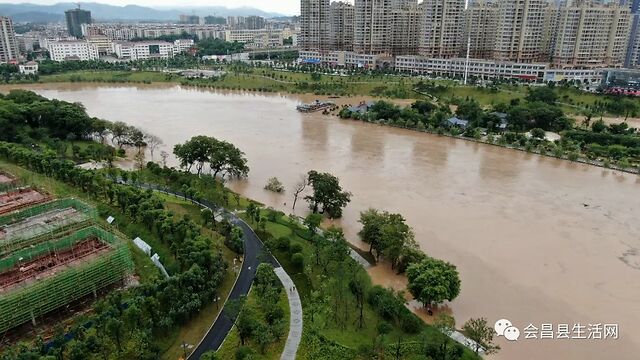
[[466, 64]]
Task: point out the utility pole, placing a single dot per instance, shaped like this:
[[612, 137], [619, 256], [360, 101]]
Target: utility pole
[[466, 64]]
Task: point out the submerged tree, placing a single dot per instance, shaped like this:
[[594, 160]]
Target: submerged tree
[[433, 281], [223, 157], [327, 196]]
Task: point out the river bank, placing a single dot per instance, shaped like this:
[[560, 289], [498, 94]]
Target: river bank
[[515, 224]]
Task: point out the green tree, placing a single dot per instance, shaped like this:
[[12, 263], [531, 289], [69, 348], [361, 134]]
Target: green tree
[[479, 331], [543, 94], [327, 194], [312, 222], [433, 281]]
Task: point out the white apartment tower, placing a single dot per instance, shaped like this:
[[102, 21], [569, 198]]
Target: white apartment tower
[[480, 24], [342, 20], [520, 30], [592, 35], [315, 25], [8, 43], [442, 27]]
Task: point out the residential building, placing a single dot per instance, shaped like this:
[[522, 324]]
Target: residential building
[[254, 23], [342, 20], [102, 42], [8, 44], [592, 35], [143, 50], [315, 25], [372, 26], [190, 19], [75, 18], [183, 45], [67, 50], [256, 38], [442, 28], [520, 30], [480, 25], [30, 68], [632, 59], [406, 21], [128, 32], [27, 42]]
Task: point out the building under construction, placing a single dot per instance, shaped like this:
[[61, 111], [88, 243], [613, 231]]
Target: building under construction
[[42, 277], [52, 253]]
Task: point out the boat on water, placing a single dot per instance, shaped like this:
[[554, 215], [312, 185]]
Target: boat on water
[[316, 106]]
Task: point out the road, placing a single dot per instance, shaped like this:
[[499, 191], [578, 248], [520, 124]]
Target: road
[[222, 326], [254, 254]]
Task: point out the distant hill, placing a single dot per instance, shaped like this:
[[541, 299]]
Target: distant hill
[[26, 12]]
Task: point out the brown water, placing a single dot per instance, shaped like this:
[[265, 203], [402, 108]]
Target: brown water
[[536, 240]]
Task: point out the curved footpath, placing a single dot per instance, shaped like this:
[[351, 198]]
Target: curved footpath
[[253, 247]]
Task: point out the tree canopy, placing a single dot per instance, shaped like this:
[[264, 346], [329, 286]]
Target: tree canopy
[[433, 281], [223, 157], [327, 196]]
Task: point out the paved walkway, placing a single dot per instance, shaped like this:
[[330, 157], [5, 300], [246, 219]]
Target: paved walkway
[[295, 322], [253, 246]]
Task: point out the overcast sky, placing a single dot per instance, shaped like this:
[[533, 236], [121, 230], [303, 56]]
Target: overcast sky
[[288, 7]]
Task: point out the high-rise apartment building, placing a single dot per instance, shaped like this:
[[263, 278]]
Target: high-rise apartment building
[[315, 25], [480, 24], [190, 19], [372, 27], [342, 25], [405, 20], [632, 59], [75, 19], [254, 23], [442, 28], [592, 34], [8, 43], [520, 30]]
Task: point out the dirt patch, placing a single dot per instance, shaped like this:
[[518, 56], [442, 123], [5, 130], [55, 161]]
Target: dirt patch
[[49, 264], [18, 199], [6, 178]]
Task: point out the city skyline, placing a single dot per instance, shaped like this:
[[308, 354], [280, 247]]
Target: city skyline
[[285, 7]]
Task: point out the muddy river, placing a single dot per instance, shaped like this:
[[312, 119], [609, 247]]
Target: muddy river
[[536, 240]]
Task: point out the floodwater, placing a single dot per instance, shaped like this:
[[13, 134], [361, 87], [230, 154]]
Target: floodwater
[[536, 240]]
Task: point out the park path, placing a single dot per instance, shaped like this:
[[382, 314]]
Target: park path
[[295, 321], [253, 247]]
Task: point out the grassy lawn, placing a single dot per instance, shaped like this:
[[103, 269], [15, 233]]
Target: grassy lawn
[[273, 351], [392, 86], [109, 76]]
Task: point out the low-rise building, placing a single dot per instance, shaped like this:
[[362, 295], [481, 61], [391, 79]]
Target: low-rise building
[[183, 45], [244, 57], [343, 58], [263, 38], [143, 50], [30, 68], [73, 50], [476, 67]]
